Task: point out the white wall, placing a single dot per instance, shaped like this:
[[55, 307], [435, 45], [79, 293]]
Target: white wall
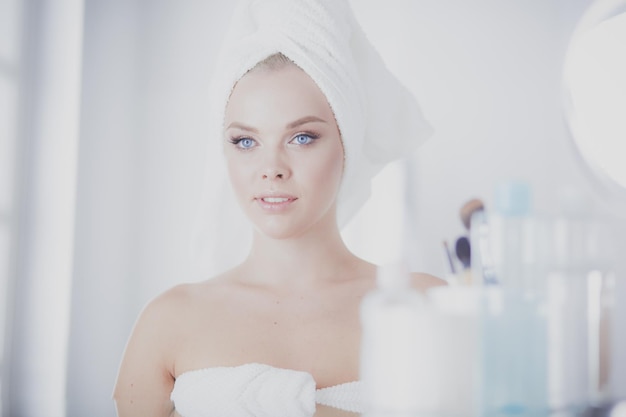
[[143, 124], [486, 73]]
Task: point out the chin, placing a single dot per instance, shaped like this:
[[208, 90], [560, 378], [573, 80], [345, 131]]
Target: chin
[[279, 232], [280, 228]]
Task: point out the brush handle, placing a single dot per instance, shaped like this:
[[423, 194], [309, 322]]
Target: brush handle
[[467, 277]]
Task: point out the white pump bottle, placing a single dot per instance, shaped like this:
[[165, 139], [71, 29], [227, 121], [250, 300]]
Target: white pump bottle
[[395, 328]]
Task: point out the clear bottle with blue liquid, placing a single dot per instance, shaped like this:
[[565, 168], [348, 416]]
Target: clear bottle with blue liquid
[[514, 325]]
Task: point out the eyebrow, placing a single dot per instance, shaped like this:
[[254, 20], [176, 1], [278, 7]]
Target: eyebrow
[[294, 124], [242, 127], [305, 120]]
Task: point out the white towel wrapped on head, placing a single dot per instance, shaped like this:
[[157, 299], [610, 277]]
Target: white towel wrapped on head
[[378, 118]]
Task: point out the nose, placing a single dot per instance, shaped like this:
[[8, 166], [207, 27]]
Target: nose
[[275, 167], [274, 173]]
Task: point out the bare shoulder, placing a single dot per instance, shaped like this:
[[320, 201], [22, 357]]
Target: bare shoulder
[[162, 322], [423, 282], [183, 296], [170, 309], [157, 325], [146, 374], [145, 377], [163, 310]]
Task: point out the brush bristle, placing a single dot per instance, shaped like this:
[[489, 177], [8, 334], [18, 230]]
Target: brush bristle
[[468, 209], [463, 251]]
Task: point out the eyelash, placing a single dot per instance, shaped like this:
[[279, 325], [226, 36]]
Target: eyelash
[[311, 135], [237, 140]]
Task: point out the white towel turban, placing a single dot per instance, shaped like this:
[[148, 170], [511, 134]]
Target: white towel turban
[[378, 118]]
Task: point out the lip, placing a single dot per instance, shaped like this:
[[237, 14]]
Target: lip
[[275, 201]]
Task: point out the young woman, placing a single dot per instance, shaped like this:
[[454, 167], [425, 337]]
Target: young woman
[[280, 332]]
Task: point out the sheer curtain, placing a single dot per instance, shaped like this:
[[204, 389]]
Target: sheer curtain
[[10, 53], [49, 75]]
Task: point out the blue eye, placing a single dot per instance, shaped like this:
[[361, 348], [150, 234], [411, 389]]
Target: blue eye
[[243, 143], [303, 139], [246, 143]]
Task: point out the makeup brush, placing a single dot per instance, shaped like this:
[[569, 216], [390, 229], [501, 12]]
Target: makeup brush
[[474, 219], [451, 270], [464, 253]]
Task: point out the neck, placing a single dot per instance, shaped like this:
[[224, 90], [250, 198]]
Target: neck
[[316, 258]]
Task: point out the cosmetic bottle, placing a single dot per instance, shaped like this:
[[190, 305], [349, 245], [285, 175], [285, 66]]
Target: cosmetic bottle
[[511, 231], [570, 315], [581, 294], [395, 346], [481, 259], [514, 323]]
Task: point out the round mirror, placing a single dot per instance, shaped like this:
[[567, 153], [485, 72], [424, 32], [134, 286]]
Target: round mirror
[[595, 94]]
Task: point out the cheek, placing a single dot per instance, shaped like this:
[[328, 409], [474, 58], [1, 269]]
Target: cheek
[[329, 174], [238, 174], [337, 163]]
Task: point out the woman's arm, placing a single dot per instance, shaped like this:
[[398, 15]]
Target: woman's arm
[[145, 378]]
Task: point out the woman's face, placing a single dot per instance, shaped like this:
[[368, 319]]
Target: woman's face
[[283, 151]]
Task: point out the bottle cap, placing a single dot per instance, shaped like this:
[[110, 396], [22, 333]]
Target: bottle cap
[[393, 276], [512, 198]]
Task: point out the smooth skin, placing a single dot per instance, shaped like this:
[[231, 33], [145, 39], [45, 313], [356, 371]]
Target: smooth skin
[[294, 302]]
